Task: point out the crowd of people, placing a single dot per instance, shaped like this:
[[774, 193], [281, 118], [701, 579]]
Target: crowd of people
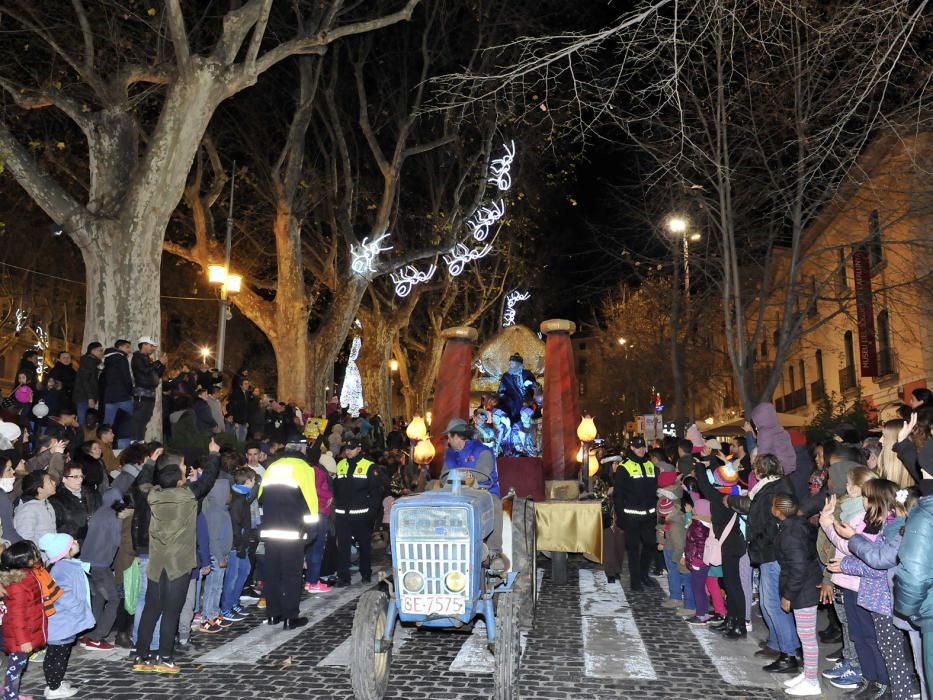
[[844, 525], [111, 541]]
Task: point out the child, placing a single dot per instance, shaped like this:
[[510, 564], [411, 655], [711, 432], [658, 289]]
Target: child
[[173, 505], [220, 530], [799, 588], [886, 510], [72, 610], [697, 534], [25, 627], [672, 536], [244, 536], [857, 625]]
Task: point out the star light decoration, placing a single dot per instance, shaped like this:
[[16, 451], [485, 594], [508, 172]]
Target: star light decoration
[[515, 296], [409, 276], [363, 256], [458, 257]]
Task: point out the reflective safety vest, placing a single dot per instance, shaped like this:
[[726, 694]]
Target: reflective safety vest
[[358, 490], [638, 471], [288, 473]]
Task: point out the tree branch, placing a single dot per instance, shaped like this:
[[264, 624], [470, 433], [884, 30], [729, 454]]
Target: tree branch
[[178, 34]]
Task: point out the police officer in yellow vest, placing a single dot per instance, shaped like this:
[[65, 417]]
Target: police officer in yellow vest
[[635, 499], [357, 494], [289, 500]]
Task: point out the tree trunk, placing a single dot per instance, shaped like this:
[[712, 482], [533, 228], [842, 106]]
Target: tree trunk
[[374, 367]]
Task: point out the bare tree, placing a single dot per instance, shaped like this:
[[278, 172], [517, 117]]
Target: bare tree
[[142, 110], [764, 113]]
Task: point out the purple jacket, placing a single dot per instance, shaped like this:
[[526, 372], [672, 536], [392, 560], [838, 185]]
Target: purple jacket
[[772, 438], [875, 561], [697, 533]]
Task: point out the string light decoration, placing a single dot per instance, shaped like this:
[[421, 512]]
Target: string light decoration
[[485, 219], [363, 256], [500, 169], [21, 317], [409, 276], [42, 344], [513, 297], [458, 257], [351, 393]]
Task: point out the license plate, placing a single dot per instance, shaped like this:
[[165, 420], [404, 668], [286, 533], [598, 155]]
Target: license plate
[[448, 605]]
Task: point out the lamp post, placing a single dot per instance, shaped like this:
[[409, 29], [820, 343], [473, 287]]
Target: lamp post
[[586, 431], [393, 368], [679, 226], [230, 284]]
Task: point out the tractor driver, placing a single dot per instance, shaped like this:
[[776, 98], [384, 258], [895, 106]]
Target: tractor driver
[[464, 452]]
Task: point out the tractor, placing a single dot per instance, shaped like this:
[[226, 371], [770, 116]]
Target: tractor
[[441, 579]]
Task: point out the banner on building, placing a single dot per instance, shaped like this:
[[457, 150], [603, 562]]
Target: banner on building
[[653, 426], [867, 349]]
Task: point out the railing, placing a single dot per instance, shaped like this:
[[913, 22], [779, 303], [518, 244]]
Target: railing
[[847, 378], [795, 399], [817, 391], [779, 405]]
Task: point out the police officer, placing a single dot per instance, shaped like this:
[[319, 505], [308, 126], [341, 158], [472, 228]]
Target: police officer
[[635, 499], [289, 501], [357, 495]]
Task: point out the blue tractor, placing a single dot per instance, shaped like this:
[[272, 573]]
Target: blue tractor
[[441, 578]]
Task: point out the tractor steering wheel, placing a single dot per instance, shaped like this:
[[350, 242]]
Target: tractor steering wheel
[[476, 475]]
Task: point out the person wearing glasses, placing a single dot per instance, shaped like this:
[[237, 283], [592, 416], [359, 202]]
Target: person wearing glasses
[[71, 504]]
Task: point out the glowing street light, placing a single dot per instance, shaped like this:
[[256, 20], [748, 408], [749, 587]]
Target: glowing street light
[[205, 353], [677, 224], [393, 365], [622, 341]]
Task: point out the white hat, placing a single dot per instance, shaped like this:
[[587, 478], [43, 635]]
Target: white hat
[[147, 339], [327, 461], [9, 433], [714, 444]]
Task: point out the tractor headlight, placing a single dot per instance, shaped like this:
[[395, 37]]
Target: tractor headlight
[[455, 581], [413, 581]]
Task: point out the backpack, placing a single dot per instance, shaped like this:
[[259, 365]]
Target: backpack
[[712, 550]]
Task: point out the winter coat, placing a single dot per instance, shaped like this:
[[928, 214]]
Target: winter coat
[[772, 438], [695, 543], [87, 386], [147, 374], [139, 529], [673, 534], [874, 562], [913, 585], [734, 546], [204, 419], [762, 528], [244, 535], [116, 380], [202, 547], [104, 529], [845, 580], [9, 531], [71, 512], [325, 494], [173, 521], [66, 376], [218, 517], [73, 609], [238, 405], [34, 518], [96, 479], [25, 621], [800, 568], [917, 462]]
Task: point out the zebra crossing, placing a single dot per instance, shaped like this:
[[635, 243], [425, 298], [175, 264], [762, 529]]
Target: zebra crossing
[[613, 645]]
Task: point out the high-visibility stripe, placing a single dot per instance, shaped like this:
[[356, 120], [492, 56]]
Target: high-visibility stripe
[[281, 535], [352, 511], [632, 511], [310, 518], [280, 480]]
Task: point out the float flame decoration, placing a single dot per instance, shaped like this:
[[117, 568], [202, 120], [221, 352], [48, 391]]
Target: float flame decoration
[[486, 218], [500, 169], [515, 296], [351, 394], [409, 276], [460, 255], [364, 255]]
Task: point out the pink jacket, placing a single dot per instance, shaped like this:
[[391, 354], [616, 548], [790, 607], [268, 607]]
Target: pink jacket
[[325, 497], [847, 581]]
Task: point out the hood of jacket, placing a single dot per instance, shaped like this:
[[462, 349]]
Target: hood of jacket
[[772, 438], [111, 355], [838, 474]]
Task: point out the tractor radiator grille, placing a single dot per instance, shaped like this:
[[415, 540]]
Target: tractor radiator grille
[[434, 560]]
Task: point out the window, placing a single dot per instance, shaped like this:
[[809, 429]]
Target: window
[[885, 353], [802, 369], [776, 337], [812, 304], [875, 248], [764, 349], [790, 379], [842, 281], [819, 365], [849, 349], [847, 378]]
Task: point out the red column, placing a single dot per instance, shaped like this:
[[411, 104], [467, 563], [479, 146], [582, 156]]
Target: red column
[[452, 387], [561, 413]]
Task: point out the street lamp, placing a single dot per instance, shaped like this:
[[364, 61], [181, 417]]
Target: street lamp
[[205, 353], [220, 274], [393, 367], [622, 341], [678, 226], [586, 431]]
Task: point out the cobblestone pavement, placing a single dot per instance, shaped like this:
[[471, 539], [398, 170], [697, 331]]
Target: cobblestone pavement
[[590, 641]]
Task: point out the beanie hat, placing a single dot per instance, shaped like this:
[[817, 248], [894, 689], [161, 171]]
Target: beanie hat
[[701, 509], [56, 545], [666, 479], [665, 506], [726, 477]]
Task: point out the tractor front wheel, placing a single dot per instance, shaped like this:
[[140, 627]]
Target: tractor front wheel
[[508, 647], [369, 669]]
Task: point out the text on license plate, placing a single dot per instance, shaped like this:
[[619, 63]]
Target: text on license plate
[[433, 604]]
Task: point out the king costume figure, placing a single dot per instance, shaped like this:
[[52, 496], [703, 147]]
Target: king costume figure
[[515, 385]]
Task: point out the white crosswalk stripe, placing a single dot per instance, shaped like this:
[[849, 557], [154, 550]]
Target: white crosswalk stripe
[[253, 645], [612, 645], [734, 660], [340, 656]]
